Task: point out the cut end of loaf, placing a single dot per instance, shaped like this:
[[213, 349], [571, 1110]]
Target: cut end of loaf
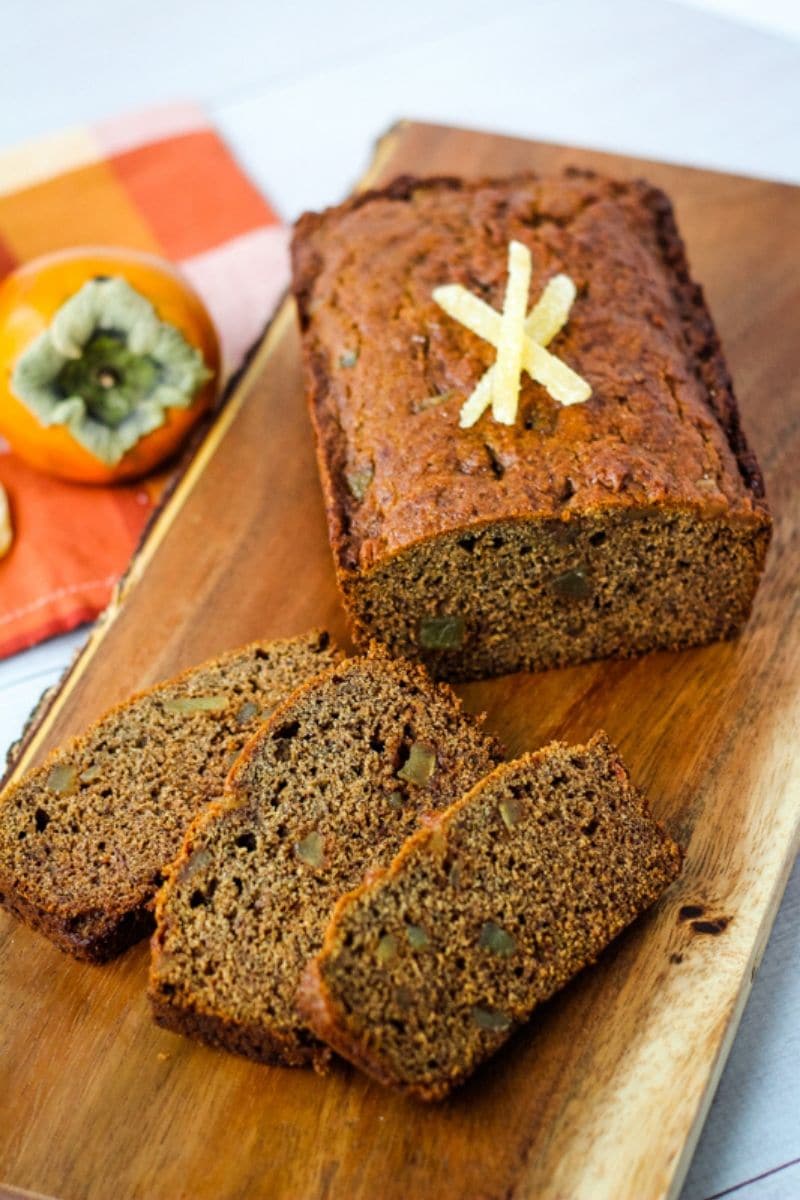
[[525, 594]]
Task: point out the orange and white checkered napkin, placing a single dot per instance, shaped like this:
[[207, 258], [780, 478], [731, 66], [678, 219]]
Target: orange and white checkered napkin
[[160, 181]]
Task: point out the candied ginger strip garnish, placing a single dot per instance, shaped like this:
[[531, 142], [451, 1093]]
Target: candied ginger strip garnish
[[478, 401], [563, 384], [547, 317], [470, 311], [511, 343], [551, 312], [545, 320]]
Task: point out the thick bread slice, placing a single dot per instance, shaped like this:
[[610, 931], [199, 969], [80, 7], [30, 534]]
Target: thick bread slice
[[331, 787], [85, 838], [427, 968]]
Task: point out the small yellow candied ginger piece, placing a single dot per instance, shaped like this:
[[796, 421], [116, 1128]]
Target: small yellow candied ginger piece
[[511, 342], [550, 313], [478, 400], [563, 384], [469, 310]]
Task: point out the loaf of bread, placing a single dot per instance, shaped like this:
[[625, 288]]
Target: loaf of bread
[[632, 521], [428, 967], [330, 788], [85, 838]]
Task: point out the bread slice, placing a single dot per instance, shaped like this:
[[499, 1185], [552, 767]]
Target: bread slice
[[85, 837], [330, 788], [427, 968]]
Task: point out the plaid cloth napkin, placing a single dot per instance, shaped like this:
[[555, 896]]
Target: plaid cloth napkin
[[160, 181]]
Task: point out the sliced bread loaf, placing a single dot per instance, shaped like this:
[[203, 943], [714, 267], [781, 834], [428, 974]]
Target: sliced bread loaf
[[427, 968], [85, 837], [331, 787]]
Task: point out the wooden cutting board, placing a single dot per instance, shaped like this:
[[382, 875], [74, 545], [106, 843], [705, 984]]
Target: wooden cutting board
[[604, 1093]]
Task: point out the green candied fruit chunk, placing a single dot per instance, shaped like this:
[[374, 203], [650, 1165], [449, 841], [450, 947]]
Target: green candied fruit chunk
[[62, 779], [348, 358], [490, 1019], [420, 764], [441, 633], [395, 800], [246, 713], [573, 585], [511, 811], [193, 704], [494, 937], [387, 948], [434, 401], [311, 849], [358, 482], [417, 937]]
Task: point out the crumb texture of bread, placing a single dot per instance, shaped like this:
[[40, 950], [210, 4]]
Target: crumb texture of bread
[[428, 968], [86, 837], [329, 789], [633, 521]]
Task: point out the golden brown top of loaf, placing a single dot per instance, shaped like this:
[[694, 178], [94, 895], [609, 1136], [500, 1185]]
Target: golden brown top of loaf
[[388, 371]]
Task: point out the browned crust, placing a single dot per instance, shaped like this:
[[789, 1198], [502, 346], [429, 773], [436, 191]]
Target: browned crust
[[214, 1029], [94, 937], [329, 445], [703, 345], [317, 1005], [317, 1008], [218, 1027], [99, 935]]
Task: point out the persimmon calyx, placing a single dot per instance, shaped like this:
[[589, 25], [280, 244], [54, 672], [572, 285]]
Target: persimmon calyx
[[108, 369]]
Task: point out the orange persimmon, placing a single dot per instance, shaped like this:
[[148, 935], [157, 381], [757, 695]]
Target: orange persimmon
[[107, 359]]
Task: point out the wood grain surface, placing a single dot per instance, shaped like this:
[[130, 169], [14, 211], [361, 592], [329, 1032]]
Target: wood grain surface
[[603, 1095]]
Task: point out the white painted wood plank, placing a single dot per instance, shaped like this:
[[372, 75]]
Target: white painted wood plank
[[24, 677], [754, 1124], [39, 660], [781, 1184]]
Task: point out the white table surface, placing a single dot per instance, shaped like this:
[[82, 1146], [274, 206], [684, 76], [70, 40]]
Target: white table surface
[[302, 91]]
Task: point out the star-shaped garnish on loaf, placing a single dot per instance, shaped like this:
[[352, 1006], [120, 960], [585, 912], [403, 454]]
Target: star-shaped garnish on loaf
[[519, 340]]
